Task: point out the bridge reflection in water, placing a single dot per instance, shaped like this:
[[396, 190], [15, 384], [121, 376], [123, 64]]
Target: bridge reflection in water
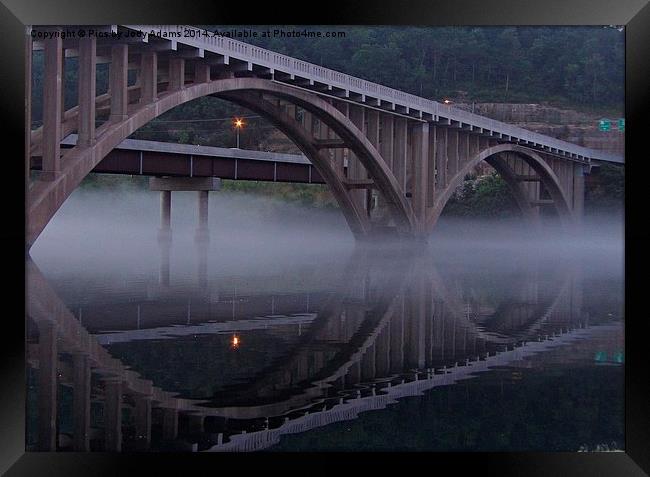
[[376, 331]]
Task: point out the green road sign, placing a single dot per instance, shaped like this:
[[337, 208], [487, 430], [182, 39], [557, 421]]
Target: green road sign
[[604, 124], [621, 124]]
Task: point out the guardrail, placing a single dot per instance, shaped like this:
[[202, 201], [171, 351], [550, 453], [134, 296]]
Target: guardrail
[[292, 66]]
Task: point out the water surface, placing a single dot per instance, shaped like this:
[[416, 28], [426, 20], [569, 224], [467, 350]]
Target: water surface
[[281, 334]]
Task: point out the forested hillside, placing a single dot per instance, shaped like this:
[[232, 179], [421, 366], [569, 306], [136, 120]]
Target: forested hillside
[[581, 67], [572, 67]]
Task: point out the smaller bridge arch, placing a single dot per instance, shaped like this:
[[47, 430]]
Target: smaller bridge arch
[[494, 156]]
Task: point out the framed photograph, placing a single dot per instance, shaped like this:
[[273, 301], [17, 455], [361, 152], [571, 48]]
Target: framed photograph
[[367, 234]]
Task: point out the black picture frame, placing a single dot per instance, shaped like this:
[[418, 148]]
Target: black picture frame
[[634, 14]]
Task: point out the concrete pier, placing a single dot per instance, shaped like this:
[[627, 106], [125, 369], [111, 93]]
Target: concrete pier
[[165, 214], [167, 185], [87, 91], [52, 107], [202, 230], [202, 185], [118, 82]]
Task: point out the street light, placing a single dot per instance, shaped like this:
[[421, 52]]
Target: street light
[[447, 101], [238, 123]]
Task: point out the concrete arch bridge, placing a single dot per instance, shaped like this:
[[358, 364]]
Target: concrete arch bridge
[[391, 159]]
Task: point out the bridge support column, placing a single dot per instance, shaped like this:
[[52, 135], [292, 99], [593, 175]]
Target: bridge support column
[[113, 414], [431, 166], [165, 236], [165, 214], [202, 230], [52, 107], [142, 422], [81, 402], [201, 72], [47, 387], [202, 236], [87, 60], [441, 158], [307, 121], [148, 77], [356, 171], [420, 155], [386, 139], [176, 74], [202, 263], [399, 152], [385, 147], [464, 146], [532, 187], [578, 192], [202, 185], [453, 158], [339, 153], [372, 134], [62, 88], [474, 145], [119, 82], [291, 110]]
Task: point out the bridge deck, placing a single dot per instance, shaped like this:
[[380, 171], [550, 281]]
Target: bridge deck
[[325, 81]]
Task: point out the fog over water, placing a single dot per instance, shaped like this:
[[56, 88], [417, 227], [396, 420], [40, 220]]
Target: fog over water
[[103, 245], [116, 231], [327, 324]]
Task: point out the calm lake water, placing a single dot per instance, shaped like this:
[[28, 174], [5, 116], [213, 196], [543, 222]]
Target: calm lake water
[[282, 335]]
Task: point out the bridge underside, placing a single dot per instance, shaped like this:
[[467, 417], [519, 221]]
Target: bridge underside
[[391, 173]]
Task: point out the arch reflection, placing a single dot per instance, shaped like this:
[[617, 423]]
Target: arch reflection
[[377, 331]]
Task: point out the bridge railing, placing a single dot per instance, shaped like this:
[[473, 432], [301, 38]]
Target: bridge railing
[[226, 46]]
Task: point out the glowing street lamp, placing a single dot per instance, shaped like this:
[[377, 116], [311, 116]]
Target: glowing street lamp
[[447, 101], [238, 123]]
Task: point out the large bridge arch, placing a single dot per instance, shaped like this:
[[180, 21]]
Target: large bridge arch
[[45, 197], [493, 156], [405, 153]]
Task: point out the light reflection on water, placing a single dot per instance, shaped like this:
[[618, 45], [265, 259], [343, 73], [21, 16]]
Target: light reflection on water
[[338, 347]]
